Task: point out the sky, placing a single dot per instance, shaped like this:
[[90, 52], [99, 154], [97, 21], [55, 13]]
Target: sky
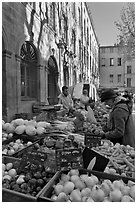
[[104, 14]]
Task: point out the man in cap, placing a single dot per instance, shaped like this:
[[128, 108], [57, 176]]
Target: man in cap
[[65, 99], [120, 124]]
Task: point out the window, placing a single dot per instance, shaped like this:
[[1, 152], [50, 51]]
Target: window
[[111, 49], [79, 16], [103, 62], [52, 16], [84, 55], [90, 42], [28, 71], [87, 61], [111, 61], [128, 82], [84, 27], [79, 50], [87, 37], [74, 41], [73, 9], [111, 78], [90, 64], [103, 50], [129, 69], [119, 78], [65, 30], [119, 61]]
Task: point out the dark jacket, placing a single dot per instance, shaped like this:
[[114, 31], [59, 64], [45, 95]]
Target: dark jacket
[[121, 127]]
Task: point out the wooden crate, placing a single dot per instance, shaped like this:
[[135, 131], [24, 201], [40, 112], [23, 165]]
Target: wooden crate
[[11, 195], [46, 192]]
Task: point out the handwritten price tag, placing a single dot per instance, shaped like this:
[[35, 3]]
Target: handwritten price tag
[[69, 159]]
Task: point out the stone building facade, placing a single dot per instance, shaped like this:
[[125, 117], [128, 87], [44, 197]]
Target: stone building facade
[[45, 45], [116, 71]]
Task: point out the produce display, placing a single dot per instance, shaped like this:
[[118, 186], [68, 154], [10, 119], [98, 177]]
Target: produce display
[[6, 136], [14, 146], [30, 182], [30, 127], [122, 158], [27, 138], [83, 187]]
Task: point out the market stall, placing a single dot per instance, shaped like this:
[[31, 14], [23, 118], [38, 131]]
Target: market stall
[[64, 159]]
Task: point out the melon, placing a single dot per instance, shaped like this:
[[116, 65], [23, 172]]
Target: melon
[[10, 129], [30, 130], [20, 129], [32, 123], [43, 124], [19, 121], [5, 126], [40, 130]]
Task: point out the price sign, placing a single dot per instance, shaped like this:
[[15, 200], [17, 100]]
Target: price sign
[[92, 140], [69, 159], [32, 160]]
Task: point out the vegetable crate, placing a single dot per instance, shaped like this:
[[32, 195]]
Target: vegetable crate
[[92, 140], [46, 192], [10, 193]]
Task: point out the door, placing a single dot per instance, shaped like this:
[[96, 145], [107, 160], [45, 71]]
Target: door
[[53, 87]]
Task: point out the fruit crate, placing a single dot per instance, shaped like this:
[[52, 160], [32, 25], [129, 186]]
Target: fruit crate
[[46, 193], [9, 195], [92, 140]]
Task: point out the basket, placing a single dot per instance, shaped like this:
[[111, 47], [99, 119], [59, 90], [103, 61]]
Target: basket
[[46, 192]]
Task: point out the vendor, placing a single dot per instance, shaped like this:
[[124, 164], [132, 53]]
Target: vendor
[[84, 99], [65, 99], [120, 125]]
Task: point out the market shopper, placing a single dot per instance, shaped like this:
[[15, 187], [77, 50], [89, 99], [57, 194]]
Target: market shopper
[[120, 127], [66, 100]]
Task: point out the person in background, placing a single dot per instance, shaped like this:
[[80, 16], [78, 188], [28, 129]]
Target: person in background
[[84, 99], [66, 100], [129, 97], [121, 127]]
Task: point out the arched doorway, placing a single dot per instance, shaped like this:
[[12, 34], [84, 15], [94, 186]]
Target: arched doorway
[[4, 92], [53, 88], [28, 71]]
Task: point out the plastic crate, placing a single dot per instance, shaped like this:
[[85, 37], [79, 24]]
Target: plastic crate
[[92, 140], [46, 192]]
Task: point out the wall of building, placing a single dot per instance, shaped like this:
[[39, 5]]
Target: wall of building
[[106, 70], [31, 22], [131, 76]]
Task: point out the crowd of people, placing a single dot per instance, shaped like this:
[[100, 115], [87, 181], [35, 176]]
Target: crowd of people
[[120, 127]]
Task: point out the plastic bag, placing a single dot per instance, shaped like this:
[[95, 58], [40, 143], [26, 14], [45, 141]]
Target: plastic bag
[[90, 115]]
